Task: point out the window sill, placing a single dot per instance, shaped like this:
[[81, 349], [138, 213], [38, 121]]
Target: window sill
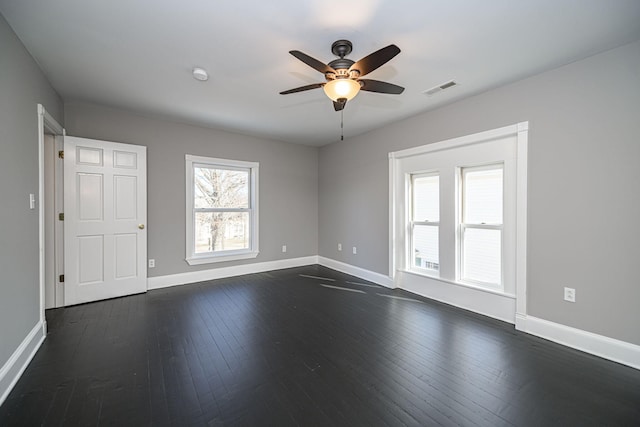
[[462, 284], [210, 259]]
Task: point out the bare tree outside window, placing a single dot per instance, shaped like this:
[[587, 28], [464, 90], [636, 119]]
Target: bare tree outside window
[[221, 202]]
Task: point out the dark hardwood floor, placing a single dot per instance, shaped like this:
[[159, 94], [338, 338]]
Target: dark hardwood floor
[[281, 349]]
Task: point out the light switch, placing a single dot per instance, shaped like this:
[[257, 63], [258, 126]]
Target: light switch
[[32, 201]]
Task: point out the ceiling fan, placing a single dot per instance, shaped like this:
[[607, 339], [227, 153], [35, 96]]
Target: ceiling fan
[[343, 75]]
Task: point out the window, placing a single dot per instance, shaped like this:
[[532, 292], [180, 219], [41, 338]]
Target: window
[[425, 220], [458, 221], [481, 225], [222, 210], [457, 217]]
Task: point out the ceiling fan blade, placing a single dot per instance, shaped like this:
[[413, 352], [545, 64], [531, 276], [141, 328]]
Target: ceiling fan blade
[[312, 62], [302, 88], [375, 60], [339, 105], [380, 87]]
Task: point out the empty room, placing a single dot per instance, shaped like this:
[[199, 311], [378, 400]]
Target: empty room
[[302, 213]]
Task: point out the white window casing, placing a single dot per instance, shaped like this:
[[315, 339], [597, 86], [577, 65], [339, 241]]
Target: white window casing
[[503, 149], [233, 215]]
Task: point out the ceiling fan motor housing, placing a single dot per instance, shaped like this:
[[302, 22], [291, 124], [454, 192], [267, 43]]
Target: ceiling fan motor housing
[[341, 64], [342, 70], [342, 48]]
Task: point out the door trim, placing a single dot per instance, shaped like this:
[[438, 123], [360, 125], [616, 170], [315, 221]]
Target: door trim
[[46, 122], [59, 225]]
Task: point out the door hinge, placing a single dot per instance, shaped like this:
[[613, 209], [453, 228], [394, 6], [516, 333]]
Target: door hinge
[[61, 216], [61, 154], [61, 278]]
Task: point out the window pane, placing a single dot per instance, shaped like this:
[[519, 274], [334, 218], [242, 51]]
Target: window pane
[[221, 231], [482, 255], [220, 188], [426, 247], [426, 198], [482, 196]]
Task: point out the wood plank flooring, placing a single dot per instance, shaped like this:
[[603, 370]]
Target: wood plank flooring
[[280, 349]]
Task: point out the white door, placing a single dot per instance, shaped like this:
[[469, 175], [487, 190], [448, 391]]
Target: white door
[[105, 213]]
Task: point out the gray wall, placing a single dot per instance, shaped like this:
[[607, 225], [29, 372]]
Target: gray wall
[[288, 182], [583, 200], [22, 87]]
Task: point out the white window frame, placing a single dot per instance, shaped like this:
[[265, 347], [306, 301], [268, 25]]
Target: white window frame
[[194, 258], [507, 304], [449, 162]]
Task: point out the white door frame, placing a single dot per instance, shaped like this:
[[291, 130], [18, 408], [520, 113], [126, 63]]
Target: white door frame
[[45, 123], [58, 206]]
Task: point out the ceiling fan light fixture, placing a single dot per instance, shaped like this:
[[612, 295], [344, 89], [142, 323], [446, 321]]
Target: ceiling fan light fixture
[[341, 88]]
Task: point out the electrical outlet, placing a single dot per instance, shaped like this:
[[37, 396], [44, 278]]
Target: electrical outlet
[[570, 294], [355, 251], [339, 246], [284, 248], [152, 263]]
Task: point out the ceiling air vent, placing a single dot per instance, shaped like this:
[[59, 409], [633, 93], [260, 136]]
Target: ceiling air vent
[[443, 86]]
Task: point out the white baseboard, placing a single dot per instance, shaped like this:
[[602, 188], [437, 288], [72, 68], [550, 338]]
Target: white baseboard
[[220, 273], [503, 308], [369, 275], [11, 372], [259, 267], [598, 345]]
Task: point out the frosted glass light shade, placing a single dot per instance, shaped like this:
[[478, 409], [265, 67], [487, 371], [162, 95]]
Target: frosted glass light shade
[[341, 88]]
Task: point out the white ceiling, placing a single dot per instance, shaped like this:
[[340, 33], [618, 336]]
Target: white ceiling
[[138, 54]]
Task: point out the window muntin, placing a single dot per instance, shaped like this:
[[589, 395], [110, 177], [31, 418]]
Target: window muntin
[[222, 210], [425, 222], [481, 225]]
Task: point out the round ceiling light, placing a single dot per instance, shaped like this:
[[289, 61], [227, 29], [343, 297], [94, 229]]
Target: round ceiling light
[[200, 74]]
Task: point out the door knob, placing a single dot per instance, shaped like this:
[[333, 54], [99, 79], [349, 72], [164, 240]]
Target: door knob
[[141, 226]]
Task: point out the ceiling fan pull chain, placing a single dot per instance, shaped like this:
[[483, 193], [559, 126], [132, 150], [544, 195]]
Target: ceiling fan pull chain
[[341, 125]]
